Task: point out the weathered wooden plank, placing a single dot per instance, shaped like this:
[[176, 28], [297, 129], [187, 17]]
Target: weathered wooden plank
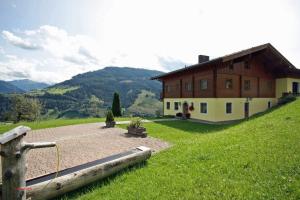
[[73, 181], [37, 145], [13, 169], [14, 133]]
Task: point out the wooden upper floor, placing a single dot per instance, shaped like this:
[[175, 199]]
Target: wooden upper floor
[[250, 73]]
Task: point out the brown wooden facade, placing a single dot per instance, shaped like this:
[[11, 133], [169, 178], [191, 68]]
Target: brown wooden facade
[[239, 75], [261, 82]]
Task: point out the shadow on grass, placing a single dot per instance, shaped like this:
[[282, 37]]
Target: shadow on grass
[[98, 184], [200, 127], [196, 127]]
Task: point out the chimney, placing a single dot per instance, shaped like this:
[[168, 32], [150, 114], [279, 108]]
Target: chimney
[[202, 58]]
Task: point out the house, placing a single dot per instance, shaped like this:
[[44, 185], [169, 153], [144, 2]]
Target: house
[[231, 87]]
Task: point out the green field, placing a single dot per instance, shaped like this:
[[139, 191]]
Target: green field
[[255, 159], [55, 123], [61, 90]]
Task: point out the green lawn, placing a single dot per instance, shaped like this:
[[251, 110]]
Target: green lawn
[[55, 123], [61, 90], [255, 159]]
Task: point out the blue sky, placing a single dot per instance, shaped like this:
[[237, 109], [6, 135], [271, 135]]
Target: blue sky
[[52, 41]]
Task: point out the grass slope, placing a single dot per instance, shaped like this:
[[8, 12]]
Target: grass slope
[[255, 159], [61, 90]]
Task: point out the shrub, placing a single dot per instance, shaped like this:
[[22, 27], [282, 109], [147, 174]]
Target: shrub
[[179, 114], [286, 99], [188, 115], [109, 116], [135, 123]]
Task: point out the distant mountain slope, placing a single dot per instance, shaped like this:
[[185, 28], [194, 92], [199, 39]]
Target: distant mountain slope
[[28, 85], [146, 104], [128, 82], [8, 88]]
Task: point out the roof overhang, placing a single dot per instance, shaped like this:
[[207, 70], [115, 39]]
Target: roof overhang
[[268, 49]]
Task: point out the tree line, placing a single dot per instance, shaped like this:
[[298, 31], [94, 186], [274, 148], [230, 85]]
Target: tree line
[[27, 108]]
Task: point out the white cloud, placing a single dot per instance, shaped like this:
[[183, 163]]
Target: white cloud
[[67, 55], [170, 63], [184, 29], [64, 55], [19, 42], [19, 68], [159, 35], [2, 50], [57, 42]]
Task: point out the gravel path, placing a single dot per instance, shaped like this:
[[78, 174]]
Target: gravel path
[[79, 144]]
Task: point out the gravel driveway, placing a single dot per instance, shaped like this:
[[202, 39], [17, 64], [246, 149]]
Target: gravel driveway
[[79, 144]]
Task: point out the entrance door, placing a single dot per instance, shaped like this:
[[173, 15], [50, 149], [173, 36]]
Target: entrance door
[[295, 88], [185, 109], [246, 109]]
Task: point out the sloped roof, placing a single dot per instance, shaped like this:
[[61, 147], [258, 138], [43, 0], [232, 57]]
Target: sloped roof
[[233, 56]]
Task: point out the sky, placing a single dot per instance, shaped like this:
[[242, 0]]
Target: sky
[[51, 41]]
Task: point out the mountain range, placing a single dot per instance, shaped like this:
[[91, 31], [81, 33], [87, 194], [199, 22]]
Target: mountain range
[[138, 94], [8, 88], [20, 86], [28, 85]]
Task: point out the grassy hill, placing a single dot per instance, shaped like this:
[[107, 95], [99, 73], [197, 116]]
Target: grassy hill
[[254, 159], [128, 82], [54, 123], [71, 97]]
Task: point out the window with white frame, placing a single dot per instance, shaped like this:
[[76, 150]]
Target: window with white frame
[[188, 86], [168, 105], [228, 108], [269, 104], [247, 85], [176, 105], [228, 84], [203, 84], [203, 108]]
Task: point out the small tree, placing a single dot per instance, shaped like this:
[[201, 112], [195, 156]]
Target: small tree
[[116, 107], [109, 116]]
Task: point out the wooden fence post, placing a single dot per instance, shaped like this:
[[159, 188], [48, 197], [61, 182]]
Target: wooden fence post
[[13, 153]]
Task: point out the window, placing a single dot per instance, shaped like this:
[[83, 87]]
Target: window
[[246, 84], [203, 108], [176, 105], [188, 86], [228, 108], [203, 84], [228, 84], [168, 88], [168, 105], [247, 65], [231, 66], [269, 104]]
